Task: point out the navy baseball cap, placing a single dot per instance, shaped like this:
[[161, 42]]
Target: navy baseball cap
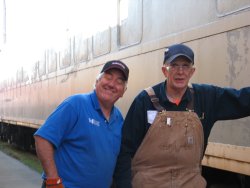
[[177, 50], [116, 64]]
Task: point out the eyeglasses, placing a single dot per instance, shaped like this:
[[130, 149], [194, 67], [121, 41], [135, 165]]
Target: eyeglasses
[[175, 67]]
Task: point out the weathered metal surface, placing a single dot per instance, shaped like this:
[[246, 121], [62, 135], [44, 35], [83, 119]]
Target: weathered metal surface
[[228, 157], [218, 31]]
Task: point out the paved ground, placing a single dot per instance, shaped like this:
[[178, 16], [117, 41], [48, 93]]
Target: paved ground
[[14, 174]]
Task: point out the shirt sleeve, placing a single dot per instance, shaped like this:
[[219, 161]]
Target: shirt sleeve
[[232, 103], [224, 103], [58, 124]]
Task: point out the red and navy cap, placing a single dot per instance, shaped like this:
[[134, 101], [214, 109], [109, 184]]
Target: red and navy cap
[[116, 64]]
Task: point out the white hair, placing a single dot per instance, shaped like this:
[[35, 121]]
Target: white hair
[[99, 76]]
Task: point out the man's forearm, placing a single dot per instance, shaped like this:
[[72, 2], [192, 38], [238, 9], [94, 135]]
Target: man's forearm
[[45, 153]]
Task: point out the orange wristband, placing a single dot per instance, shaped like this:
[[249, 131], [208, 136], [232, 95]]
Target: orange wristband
[[54, 183]]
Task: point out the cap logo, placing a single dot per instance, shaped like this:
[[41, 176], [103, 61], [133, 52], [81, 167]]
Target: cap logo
[[117, 63]]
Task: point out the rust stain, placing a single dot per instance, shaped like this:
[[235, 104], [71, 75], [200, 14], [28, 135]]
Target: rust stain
[[238, 41]]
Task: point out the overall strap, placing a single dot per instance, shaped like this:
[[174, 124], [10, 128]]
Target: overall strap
[[190, 105], [159, 108], [154, 99]]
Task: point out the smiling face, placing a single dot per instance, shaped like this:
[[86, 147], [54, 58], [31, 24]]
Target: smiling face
[[178, 74], [110, 87]]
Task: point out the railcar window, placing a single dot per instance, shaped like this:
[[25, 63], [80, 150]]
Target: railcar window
[[65, 54], [42, 66], [226, 7], [4, 84], [11, 82], [102, 42], [25, 76], [19, 75], [51, 58], [34, 71], [130, 22], [80, 49], [22, 75]]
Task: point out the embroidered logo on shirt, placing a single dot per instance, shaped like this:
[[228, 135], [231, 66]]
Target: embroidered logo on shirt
[[94, 122]]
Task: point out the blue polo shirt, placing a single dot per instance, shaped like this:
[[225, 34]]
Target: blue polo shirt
[[86, 144]]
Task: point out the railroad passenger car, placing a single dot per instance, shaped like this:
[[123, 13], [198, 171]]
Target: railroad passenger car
[[217, 30]]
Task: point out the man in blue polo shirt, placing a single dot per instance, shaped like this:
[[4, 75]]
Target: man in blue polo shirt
[[166, 129], [79, 143]]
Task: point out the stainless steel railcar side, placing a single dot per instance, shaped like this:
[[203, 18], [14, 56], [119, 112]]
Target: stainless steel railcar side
[[217, 30]]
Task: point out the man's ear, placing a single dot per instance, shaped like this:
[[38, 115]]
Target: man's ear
[[192, 72], [164, 70]]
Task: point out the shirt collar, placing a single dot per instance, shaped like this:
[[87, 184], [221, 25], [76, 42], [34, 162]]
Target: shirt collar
[[163, 97], [95, 101], [96, 104]]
